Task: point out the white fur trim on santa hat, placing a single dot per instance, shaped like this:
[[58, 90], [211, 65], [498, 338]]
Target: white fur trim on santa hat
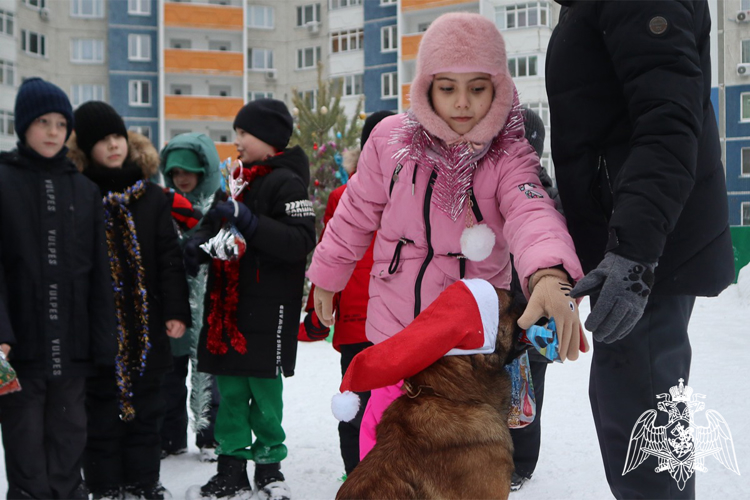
[[489, 309], [477, 242], [345, 406]]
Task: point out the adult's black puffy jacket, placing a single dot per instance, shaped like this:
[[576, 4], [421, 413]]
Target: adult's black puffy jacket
[[634, 139], [271, 275], [56, 308], [164, 271]]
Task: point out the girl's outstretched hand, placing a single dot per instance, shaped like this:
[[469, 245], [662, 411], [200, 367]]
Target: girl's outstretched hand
[[323, 300], [550, 298]]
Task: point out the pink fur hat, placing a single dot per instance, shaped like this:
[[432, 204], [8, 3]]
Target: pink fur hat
[[460, 42]]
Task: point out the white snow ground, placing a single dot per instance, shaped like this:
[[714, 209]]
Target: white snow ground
[[569, 464]]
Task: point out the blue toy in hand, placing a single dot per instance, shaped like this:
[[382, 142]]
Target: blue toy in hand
[[544, 339]]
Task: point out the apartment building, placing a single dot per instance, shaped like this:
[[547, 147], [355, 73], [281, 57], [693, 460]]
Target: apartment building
[[381, 87], [346, 62], [8, 73]]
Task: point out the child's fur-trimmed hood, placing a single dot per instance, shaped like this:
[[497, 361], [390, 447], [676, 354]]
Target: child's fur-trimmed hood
[[140, 152]]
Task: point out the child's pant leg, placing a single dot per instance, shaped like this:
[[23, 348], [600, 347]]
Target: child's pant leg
[[102, 460], [33, 469], [266, 411], [349, 431], [379, 400], [233, 430], [141, 446], [174, 430]]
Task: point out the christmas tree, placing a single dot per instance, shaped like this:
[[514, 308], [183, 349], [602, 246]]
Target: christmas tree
[[324, 131]]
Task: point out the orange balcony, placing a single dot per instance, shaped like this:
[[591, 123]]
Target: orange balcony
[[186, 107], [213, 17], [226, 150], [407, 5], [410, 45], [206, 62], [405, 89]]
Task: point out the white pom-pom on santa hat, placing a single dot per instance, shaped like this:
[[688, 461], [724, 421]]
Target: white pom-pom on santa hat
[[477, 242], [345, 406], [462, 320]]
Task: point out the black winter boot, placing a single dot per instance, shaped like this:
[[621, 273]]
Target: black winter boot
[[230, 480], [153, 491], [270, 482]]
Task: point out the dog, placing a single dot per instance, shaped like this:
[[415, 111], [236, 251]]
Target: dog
[[447, 436]]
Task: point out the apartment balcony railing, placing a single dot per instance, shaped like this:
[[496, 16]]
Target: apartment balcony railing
[[206, 62], [202, 16], [204, 108]]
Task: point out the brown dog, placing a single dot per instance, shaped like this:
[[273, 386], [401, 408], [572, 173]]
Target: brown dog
[[447, 437]]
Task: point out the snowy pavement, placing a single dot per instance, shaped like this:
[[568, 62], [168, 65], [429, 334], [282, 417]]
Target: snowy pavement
[[569, 464]]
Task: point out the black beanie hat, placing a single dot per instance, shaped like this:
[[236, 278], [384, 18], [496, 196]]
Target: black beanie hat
[[535, 132], [268, 120], [95, 120], [37, 97], [370, 123]]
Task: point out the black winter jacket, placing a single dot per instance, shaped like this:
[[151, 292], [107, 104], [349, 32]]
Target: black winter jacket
[[634, 139], [56, 307], [272, 272], [166, 283]]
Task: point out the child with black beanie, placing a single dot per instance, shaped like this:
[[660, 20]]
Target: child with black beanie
[[126, 405], [56, 307], [249, 338]]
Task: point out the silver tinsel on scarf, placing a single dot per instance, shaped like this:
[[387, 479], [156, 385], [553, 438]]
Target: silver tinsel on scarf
[[455, 163]]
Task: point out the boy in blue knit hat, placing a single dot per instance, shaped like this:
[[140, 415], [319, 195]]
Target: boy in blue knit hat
[[56, 307]]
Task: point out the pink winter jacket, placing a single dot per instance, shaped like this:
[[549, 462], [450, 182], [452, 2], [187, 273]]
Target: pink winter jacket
[[510, 199]]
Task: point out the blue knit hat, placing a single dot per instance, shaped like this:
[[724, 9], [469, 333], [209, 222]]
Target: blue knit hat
[[37, 97]]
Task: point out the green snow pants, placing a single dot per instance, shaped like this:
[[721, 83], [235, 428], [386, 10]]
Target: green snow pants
[[250, 405]]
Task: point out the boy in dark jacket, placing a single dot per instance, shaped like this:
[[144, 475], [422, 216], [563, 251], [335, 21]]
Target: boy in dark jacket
[[253, 306], [56, 308], [126, 405]]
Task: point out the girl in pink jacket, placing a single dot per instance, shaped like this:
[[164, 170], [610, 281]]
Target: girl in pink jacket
[[452, 188]]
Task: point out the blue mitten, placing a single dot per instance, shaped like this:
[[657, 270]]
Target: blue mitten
[[238, 214], [623, 286]]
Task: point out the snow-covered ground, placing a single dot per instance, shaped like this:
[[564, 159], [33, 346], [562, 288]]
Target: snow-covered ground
[[570, 463]]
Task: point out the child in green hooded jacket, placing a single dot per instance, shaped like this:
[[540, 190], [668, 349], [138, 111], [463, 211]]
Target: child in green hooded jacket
[[190, 166]]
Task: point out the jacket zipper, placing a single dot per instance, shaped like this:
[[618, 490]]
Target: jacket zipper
[[430, 252], [394, 177]]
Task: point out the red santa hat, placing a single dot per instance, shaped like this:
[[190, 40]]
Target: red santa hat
[[462, 320]]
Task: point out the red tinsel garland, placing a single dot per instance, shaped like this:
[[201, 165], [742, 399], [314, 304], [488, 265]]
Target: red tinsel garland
[[223, 316]]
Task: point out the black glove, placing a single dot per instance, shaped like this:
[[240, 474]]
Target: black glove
[[314, 329], [244, 220], [623, 286], [193, 256]]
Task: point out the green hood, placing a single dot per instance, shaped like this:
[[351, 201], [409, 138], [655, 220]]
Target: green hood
[[204, 147]]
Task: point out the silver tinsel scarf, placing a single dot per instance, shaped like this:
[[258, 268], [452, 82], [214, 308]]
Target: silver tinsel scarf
[[455, 164]]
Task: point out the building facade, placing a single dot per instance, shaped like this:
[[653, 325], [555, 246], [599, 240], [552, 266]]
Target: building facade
[[8, 73], [381, 87]]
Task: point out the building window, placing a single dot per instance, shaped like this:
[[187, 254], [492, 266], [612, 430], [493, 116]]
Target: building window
[[7, 73], [33, 43], [745, 49], [744, 4], [83, 93], [350, 85], [745, 208], [340, 4], [745, 103], [308, 58], [140, 92], [343, 41], [310, 97], [254, 95], [389, 85], [260, 59], [308, 14], [522, 66], [139, 47], [522, 15], [220, 135], [7, 124], [259, 17], [36, 4], [388, 2], [745, 162], [7, 23], [87, 8], [389, 38], [180, 44], [139, 7], [144, 130], [87, 50]]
